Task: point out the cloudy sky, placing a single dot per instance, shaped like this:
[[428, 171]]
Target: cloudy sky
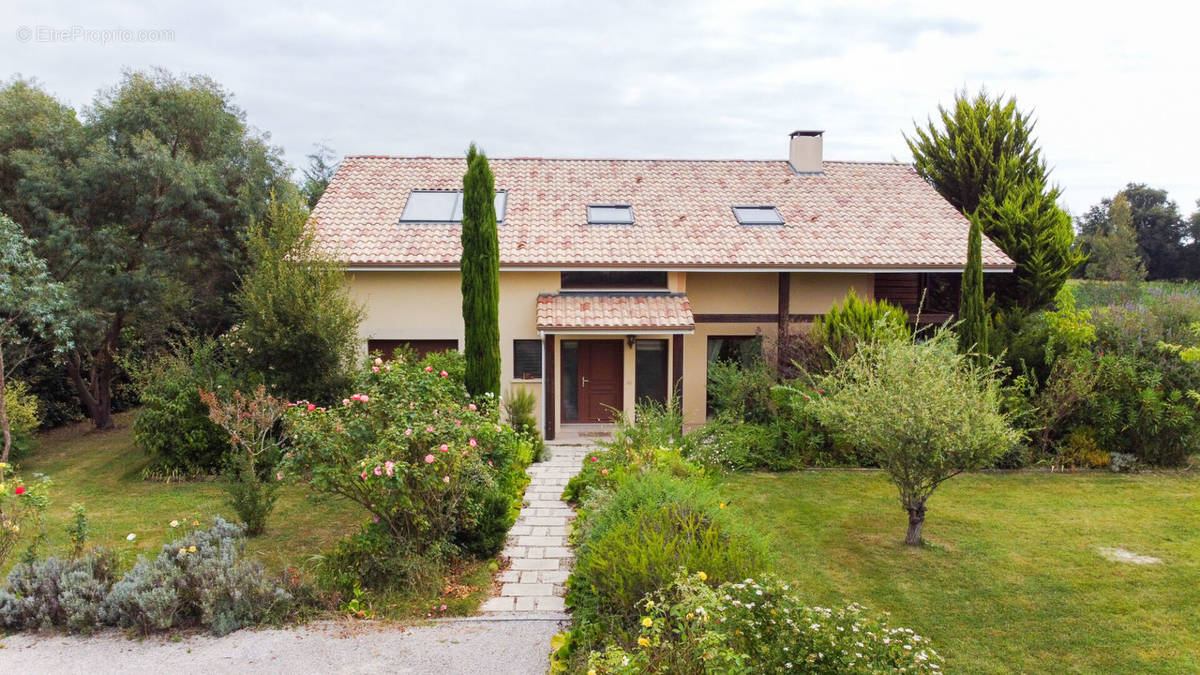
[[1115, 90]]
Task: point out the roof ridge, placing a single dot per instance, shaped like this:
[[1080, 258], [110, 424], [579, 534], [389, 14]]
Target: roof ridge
[[627, 159]]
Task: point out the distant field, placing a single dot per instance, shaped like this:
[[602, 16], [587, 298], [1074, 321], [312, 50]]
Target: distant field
[[1096, 293]]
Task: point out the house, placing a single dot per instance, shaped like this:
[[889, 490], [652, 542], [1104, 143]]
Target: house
[[623, 279]]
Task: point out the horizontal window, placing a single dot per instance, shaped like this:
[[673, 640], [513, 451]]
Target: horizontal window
[[387, 348], [610, 214], [601, 280], [443, 206], [527, 359], [757, 215]]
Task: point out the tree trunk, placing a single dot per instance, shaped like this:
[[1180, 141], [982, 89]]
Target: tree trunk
[[4, 412], [95, 392], [916, 520]]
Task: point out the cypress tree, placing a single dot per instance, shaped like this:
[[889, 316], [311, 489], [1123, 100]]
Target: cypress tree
[[973, 326], [480, 266]]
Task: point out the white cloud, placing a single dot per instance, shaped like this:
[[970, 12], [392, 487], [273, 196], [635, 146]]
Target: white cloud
[[1111, 86]]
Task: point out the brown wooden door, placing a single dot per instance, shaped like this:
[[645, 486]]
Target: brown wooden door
[[601, 379]]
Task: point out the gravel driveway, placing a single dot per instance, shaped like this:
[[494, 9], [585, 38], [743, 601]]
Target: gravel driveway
[[492, 645]]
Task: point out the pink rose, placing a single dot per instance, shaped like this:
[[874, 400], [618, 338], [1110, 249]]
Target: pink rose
[[345, 401], [603, 472], [444, 448], [489, 462], [364, 398], [279, 475], [429, 429], [311, 407], [364, 475], [378, 361], [429, 459], [444, 374], [429, 369], [378, 471], [593, 458], [389, 467], [374, 369], [472, 443], [408, 432], [472, 407]]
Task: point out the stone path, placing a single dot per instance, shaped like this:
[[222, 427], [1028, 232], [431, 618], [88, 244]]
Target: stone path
[[537, 543]]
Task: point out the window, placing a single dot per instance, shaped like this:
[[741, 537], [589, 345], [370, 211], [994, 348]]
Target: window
[[387, 348], [610, 280], [610, 214], [757, 215], [443, 206], [527, 359], [743, 350], [650, 370]]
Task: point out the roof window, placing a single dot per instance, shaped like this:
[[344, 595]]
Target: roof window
[[757, 215]]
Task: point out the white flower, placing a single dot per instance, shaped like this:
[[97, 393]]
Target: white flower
[[131, 537], [174, 523]]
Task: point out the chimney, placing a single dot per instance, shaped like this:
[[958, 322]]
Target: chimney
[[804, 153]]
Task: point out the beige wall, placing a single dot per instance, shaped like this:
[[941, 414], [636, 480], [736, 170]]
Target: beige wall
[[427, 306]]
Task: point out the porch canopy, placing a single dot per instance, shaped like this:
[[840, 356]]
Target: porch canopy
[[623, 313]]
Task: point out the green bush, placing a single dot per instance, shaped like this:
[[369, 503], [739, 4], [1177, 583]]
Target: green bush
[[634, 540], [742, 391], [521, 404], [51, 593], [173, 424], [728, 442], [604, 469], [857, 320], [434, 466], [23, 420], [372, 559], [759, 626]]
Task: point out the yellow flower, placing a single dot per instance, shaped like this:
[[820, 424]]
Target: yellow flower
[[195, 523], [16, 528], [647, 622], [645, 642], [592, 671], [702, 575], [191, 549], [722, 505], [182, 551], [649, 604], [690, 615]]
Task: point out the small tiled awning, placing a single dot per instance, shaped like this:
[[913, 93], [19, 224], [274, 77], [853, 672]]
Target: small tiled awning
[[618, 312]]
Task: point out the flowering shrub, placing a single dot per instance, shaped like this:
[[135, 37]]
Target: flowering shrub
[[759, 626], [433, 467], [604, 469], [22, 508]]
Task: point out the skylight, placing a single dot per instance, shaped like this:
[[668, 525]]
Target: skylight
[[757, 215], [610, 214], [443, 206]]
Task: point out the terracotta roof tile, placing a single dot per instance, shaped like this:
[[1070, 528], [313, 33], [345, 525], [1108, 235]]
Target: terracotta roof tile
[[668, 312], [855, 215]]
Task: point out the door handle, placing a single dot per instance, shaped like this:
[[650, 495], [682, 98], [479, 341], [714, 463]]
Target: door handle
[[585, 381]]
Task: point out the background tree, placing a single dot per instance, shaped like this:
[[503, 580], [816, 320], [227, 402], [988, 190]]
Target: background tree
[[972, 313], [1165, 241], [140, 210], [1113, 252], [31, 302], [921, 410], [480, 267], [299, 325], [322, 164], [984, 160]]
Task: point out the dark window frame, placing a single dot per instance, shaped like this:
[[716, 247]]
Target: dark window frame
[[592, 221], [577, 280], [535, 347], [765, 208]]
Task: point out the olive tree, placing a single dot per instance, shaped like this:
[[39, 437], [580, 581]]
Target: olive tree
[[922, 410]]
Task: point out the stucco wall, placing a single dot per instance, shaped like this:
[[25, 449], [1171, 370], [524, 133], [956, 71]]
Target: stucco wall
[[427, 306]]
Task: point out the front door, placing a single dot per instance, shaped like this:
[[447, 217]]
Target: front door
[[596, 379]]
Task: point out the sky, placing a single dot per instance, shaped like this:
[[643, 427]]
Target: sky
[[1114, 88]]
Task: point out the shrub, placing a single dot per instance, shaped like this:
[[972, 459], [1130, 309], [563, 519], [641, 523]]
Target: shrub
[[299, 326], [655, 425], [634, 540], [759, 626], [743, 391], [520, 404], [923, 411], [200, 579], [23, 420], [728, 442], [605, 469], [434, 466], [254, 427], [22, 510], [173, 423], [857, 320], [51, 593], [372, 559]]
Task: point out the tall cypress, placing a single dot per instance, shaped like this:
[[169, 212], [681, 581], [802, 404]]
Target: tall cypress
[[480, 265], [972, 315]]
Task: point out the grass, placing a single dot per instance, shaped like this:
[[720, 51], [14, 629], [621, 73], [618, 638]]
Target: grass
[[1011, 580], [1099, 293], [102, 470]]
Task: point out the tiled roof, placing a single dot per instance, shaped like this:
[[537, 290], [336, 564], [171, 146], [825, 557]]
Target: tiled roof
[[854, 215], [618, 311]]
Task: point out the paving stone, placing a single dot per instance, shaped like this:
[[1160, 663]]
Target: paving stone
[[540, 541], [545, 521], [535, 552], [519, 530], [551, 604], [535, 590], [509, 577], [524, 564], [559, 577], [557, 552], [526, 604], [498, 605]]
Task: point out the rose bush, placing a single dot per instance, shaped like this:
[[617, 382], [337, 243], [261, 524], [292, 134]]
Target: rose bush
[[435, 469]]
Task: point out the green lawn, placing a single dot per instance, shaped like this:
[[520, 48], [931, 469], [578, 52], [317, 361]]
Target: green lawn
[[1012, 580], [101, 470]]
